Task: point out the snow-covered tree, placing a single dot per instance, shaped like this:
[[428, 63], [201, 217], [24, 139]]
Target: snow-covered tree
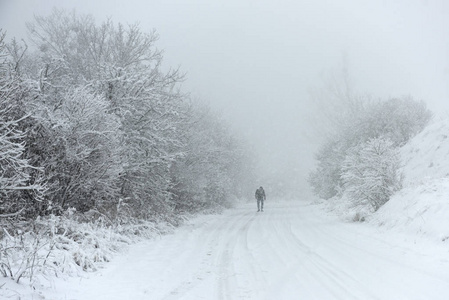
[[110, 128], [370, 173], [123, 65], [21, 185], [397, 119], [15, 177], [326, 180], [84, 168], [214, 165]]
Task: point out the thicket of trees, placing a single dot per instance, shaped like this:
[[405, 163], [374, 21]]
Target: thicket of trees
[[359, 160], [90, 120]]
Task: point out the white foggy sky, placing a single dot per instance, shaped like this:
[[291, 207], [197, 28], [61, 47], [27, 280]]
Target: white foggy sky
[[256, 60]]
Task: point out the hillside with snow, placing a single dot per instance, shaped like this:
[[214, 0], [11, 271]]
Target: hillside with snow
[[421, 208]]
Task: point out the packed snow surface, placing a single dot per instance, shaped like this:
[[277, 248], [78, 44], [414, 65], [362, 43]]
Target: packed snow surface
[[291, 251]]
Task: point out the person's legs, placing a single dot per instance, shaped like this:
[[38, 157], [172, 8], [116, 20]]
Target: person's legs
[[258, 204], [261, 205]]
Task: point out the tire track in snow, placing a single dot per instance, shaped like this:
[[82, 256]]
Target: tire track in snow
[[287, 252], [342, 284], [389, 257], [216, 258], [227, 281], [257, 272], [307, 265]]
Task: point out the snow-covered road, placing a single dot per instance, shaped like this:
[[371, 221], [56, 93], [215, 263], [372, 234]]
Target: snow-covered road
[[293, 250]]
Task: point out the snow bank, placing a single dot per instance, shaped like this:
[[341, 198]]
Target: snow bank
[[344, 208], [426, 155], [421, 208]]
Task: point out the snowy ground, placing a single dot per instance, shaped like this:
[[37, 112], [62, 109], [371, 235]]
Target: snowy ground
[[291, 251]]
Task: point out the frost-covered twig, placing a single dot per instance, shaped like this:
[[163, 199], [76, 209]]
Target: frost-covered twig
[[11, 214]]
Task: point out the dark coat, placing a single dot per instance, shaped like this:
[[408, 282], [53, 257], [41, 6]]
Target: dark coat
[[260, 194]]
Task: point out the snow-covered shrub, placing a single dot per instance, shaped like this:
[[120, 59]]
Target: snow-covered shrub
[[23, 250], [67, 244], [396, 119], [370, 173]]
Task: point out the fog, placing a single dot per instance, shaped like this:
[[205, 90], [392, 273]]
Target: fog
[[257, 61]]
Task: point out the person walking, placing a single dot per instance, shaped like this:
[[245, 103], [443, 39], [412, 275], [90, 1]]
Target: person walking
[[260, 196]]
